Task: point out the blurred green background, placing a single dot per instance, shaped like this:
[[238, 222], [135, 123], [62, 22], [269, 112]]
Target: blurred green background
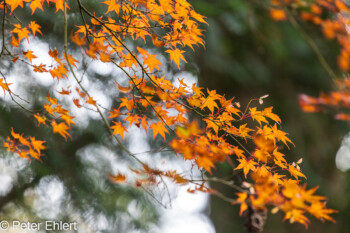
[[248, 55]]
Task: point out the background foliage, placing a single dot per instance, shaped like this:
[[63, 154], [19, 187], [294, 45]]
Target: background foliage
[[249, 54]]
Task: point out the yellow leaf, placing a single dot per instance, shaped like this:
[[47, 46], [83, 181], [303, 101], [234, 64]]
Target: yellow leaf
[[295, 172], [268, 113]]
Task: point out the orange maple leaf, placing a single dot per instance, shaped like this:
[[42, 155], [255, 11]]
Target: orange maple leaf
[[77, 39], [128, 103], [40, 119], [59, 4], [40, 68], [123, 89], [68, 119], [15, 135], [158, 128], [144, 123], [61, 129], [210, 103], [319, 210], [81, 94], [4, 86], [132, 119], [14, 42], [21, 32], [29, 55], [34, 27], [152, 62], [212, 124], [48, 109], [279, 159], [205, 162], [257, 115], [112, 6], [295, 172], [246, 165], [53, 53], [297, 215], [118, 128], [241, 200], [268, 113], [118, 178], [71, 60], [244, 131], [35, 4], [176, 56], [91, 101], [58, 72], [105, 57], [114, 113], [280, 135], [37, 145], [14, 4], [64, 92], [82, 29]]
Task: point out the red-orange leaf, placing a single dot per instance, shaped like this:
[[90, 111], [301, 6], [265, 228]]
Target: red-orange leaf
[[64, 92], [76, 102], [118, 178]]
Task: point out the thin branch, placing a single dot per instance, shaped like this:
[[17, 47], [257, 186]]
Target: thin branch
[[87, 93], [13, 99], [314, 47]]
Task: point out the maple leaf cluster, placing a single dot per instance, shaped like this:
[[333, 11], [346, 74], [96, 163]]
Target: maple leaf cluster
[[337, 101], [222, 130], [56, 111], [24, 146], [266, 165]]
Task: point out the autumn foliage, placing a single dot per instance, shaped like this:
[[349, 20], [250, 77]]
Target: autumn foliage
[[336, 102], [220, 129]]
